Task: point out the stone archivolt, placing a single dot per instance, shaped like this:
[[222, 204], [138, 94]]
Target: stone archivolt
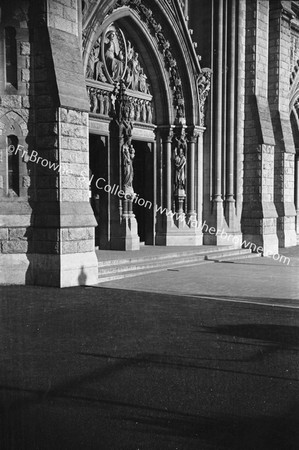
[[133, 74]]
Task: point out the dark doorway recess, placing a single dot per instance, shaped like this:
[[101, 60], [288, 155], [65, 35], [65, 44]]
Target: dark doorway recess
[[98, 178], [143, 187]]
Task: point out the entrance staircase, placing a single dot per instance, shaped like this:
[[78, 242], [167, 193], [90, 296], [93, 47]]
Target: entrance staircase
[[115, 265]]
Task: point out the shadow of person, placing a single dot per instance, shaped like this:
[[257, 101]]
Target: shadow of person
[[82, 277]]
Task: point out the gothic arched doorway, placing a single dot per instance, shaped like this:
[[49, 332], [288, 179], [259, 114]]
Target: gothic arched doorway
[[138, 77]]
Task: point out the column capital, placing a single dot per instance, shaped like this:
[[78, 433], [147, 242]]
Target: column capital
[[167, 132]]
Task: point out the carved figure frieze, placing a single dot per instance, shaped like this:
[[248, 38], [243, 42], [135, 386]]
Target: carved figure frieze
[[132, 109], [100, 101]]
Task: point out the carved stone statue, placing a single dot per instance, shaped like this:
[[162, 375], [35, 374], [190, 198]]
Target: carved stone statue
[[142, 81], [180, 164], [114, 58], [135, 69], [143, 112], [149, 113], [128, 153]]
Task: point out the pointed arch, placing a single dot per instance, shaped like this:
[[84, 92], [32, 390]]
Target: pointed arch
[[167, 49], [10, 120]]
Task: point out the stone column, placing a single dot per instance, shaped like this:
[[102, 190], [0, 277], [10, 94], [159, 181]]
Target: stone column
[[186, 9], [219, 87], [167, 141], [219, 113], [240, 106], [191, 179], [230, 199], [164, 214], [124, 234], [297, 193], [199, 178], [61, 248], [154, 209]]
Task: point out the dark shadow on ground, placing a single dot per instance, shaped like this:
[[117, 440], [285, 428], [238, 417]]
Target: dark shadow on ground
[[116, 369]]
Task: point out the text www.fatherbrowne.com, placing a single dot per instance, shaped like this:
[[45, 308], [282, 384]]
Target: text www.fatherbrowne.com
[[65, 169]]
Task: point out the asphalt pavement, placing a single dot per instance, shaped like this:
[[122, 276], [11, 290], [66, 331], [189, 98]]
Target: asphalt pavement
[[205, 358]]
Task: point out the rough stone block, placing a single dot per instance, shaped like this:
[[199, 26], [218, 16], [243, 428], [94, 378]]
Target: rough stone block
[[85, 246], [25, 48], [69, 247], [26, 181], [77, 157], [73, 195], [25, 75], [74, 117], [74, 144], [25, 102], [70, 14], [11, 101], [3, 234], [17, 234], [72, 130], [77, 234], [16, 246]]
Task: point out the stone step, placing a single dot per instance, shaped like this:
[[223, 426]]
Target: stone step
[[135, 273], [235, 258], [163, 257], [150, 264], [129, 267]]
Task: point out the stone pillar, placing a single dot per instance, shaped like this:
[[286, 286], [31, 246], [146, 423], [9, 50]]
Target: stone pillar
[[279, 100], [173, 228], [191, 179], [57, 239], [297, 192], [215, 218], [219, 119], [168, 160], [230, 194], [199, 177], [240, 105], [259, 213], [124, 234]]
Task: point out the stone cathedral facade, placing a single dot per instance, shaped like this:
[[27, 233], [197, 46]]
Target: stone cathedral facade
[[125, 122]]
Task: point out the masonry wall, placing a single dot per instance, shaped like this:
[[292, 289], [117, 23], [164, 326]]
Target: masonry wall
[[16, 118], [279, 100], [259, 213], [55, 245]]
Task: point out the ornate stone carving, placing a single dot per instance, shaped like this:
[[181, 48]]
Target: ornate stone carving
[[100, 101], [121, 110], [204, 85], [180, 160], [147, 16], [128, 154], [113, 58], [131, 74], [133, 109]]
